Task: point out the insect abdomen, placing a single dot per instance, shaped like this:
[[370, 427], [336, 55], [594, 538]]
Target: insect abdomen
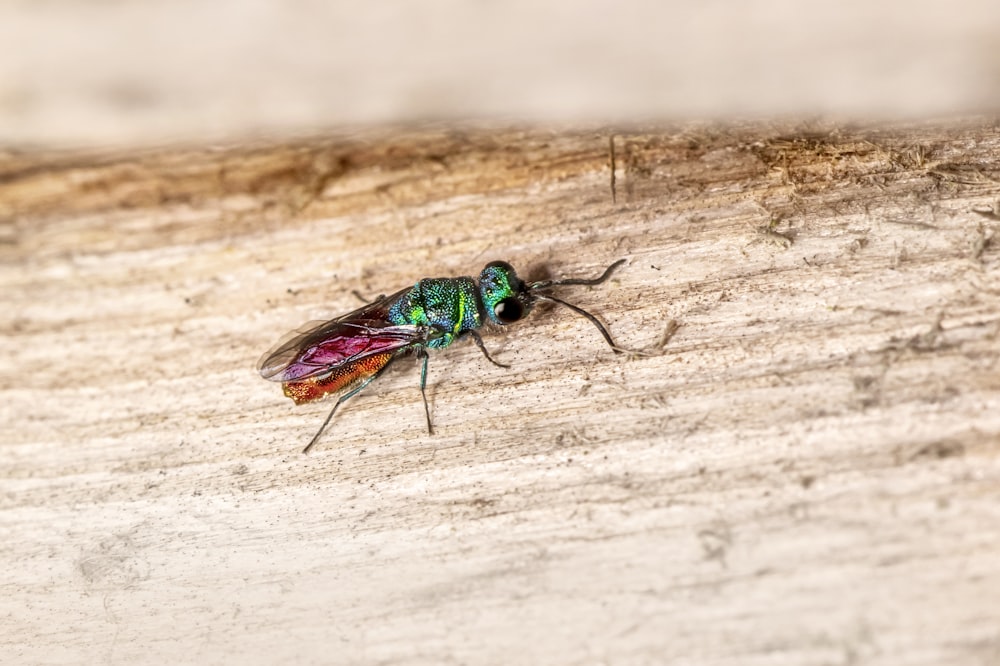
[[339, 379]]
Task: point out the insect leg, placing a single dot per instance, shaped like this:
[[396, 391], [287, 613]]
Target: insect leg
[[343, 398], [422, 354], [482, 348], [358, 295]]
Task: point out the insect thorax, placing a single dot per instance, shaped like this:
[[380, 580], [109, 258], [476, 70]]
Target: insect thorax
[[447, 305]]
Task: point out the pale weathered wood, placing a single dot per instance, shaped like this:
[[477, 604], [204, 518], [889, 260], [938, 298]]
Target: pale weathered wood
[[99, 73], [807, 474]]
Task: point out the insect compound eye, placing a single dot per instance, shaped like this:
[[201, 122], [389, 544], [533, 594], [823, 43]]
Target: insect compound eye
[[504, 297], [508, 310]]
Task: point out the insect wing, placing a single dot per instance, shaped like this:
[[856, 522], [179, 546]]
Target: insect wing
[[319, 347], [341, 378]]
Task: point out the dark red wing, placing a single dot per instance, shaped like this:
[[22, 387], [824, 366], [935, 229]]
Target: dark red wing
[[319, 347]]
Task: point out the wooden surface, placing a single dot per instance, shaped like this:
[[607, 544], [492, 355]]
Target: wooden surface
[[122, 72], [806, 472]]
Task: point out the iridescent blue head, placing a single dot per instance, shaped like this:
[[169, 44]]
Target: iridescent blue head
[[506, 298]]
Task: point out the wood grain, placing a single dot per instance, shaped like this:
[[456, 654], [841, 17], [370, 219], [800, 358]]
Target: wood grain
[[807, 470]]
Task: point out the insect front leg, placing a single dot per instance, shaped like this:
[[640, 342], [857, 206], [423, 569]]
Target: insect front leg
[[482, 348]]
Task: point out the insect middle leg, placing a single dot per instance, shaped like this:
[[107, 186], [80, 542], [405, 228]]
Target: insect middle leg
[[422, 355]]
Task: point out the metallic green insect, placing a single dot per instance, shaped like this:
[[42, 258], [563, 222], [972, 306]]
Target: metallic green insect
[[344, 355]]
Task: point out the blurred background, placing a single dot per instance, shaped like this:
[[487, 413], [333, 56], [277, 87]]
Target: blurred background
[[106, 72]]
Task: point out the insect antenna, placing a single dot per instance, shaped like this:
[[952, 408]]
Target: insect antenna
[[581, 311], [545, 284], [548, 284]]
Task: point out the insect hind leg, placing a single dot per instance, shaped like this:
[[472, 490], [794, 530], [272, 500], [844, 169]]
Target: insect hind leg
[[361, 297], [343, 398]]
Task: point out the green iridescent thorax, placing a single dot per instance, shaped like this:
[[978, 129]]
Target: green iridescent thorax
[[448, 305]]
